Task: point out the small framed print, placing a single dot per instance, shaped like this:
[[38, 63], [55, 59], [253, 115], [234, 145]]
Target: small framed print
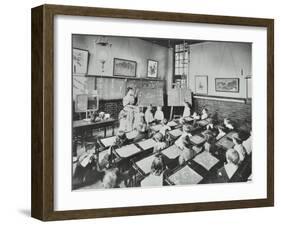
[[127, 68], [201, 84], [80, 59], [227, 85], [92, 155], [152, 68]]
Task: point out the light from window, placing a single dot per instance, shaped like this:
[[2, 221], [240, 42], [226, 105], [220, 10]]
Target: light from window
[[181, 63]]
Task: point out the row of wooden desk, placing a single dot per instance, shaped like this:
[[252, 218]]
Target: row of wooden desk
[[139, 155]]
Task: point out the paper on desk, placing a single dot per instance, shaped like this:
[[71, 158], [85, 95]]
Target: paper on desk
[[147, 144], [132, 134], [127, 151], [176, 132], [185, 175], [172, 152], [109, 141], [226, 143], [145, 164], [196, 139], [206, 160]]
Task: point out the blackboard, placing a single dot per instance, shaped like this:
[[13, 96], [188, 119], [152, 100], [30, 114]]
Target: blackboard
[[149, 91]]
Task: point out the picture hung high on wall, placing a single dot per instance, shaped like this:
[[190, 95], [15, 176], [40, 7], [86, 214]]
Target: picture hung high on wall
[[201, 84], [80, 60], [227, 85], [152, 68], [123, 67], [126, 141]]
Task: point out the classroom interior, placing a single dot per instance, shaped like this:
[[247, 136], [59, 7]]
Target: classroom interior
[[150, 112]]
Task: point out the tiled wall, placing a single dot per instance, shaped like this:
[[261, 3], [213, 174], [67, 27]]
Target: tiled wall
[[113, 107], [239, 112]]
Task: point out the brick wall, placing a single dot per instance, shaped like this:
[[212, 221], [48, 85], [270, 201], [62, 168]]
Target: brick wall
[[239, 112], [113, 107]]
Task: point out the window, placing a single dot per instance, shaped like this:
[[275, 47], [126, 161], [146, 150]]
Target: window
[[181, 63]]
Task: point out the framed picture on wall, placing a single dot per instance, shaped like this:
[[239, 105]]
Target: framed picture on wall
[[127, 68], [227, 85], [201, 84], [94, 167], [80, 60], [152, 68]]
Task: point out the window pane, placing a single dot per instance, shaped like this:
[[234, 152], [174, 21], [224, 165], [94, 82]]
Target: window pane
[[181, 61], [182, 55], [180, 71], [181, 47]]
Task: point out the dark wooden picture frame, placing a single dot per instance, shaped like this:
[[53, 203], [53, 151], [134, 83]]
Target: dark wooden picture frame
[[115, 71], [225, 90], [42, 203]]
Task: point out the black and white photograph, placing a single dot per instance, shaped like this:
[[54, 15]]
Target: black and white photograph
[[153, 112]]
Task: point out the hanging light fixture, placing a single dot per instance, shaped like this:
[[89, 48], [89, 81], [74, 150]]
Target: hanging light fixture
[[103, 47]]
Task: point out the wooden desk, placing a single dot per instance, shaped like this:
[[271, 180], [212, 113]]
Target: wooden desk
[[230, 134], [132, 135], [156, 128], [82, 126], [197, 139], [147, 144], [184, 176], [206, 160], [127, 151], [176, 133], [172, 152], [144, 166], [225, 143], [108, 141]]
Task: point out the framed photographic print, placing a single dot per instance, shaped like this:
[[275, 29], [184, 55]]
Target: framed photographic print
[[123, 67], [104, 165], [227, 85], [201, 84], [152, 68], [80, 61]]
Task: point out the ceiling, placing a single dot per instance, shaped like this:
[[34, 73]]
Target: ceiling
[[170, 42]]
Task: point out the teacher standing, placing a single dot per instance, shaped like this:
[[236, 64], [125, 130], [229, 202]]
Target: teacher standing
[[129, 104]]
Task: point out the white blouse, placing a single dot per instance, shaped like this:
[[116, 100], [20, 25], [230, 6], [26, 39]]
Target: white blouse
[[159, 115]]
